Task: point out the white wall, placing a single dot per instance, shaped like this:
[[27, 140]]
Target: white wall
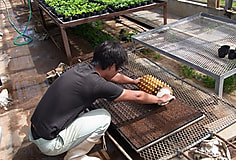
[[183, 9]]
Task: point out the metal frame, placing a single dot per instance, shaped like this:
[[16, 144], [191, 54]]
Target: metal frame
[[218, 77], [62, 25], [146, 153]]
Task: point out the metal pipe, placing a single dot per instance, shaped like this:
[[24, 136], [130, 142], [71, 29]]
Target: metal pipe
[[118, 146], [227, 142], [186, 156]]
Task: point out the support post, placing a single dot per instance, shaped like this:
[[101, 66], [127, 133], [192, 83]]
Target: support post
[[228, 4], [219, 84], [66, 44], [213, 3]]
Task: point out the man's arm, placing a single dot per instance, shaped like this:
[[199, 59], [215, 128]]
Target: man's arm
[[143, 97], [123, 79]]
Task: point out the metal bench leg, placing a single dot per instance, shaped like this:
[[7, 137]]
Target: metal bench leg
[[219, 84], [165, 13], [66, 44]]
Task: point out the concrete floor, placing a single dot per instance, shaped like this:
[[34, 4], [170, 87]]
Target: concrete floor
[[23, 73], [24, 78]]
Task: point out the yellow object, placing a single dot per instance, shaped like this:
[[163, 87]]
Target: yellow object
[[152, 85]]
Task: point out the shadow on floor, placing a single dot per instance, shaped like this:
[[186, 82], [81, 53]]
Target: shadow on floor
[[31, 152]]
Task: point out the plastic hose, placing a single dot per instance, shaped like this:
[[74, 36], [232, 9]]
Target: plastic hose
[[22, 34]]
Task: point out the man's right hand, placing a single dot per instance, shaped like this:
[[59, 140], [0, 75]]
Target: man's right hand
[[165, 99]]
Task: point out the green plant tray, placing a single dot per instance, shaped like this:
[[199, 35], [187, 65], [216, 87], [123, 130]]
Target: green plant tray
[[70, 13]]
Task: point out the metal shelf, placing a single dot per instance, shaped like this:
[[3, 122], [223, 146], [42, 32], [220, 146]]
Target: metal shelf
[[194, 41]]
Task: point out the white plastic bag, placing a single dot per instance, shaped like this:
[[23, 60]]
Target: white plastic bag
[[213, 149]]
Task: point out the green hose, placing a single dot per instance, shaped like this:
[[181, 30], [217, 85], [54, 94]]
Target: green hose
[[22, 34]]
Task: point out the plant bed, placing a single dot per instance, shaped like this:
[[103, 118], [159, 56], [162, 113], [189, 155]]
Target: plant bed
[[76, 9], [119, 5], [72, 10]]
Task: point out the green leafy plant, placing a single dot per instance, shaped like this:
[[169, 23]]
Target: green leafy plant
[[156, 56], [126, 35], [230, 84], [92, 34], [150, 53], [98, 24], [146, 51], [187, 72], [207, 81]]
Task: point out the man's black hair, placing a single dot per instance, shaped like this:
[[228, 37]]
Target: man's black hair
[[109, 53]]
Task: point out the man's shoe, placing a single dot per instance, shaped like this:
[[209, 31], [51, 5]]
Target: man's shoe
[[85, 157]]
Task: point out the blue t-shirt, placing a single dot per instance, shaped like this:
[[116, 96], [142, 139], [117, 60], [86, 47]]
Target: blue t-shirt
[[69, 95]]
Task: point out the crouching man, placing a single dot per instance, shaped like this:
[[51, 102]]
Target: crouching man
[[59, 124]]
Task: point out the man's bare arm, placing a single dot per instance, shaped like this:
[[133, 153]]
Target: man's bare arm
[[142, 97], [123, 79]]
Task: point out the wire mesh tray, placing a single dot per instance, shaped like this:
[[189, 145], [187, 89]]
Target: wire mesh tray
[[159, 123], [217, 113], [195, 41]]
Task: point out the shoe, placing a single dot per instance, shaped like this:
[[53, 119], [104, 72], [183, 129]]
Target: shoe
[[85, 157], [79, 152]]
